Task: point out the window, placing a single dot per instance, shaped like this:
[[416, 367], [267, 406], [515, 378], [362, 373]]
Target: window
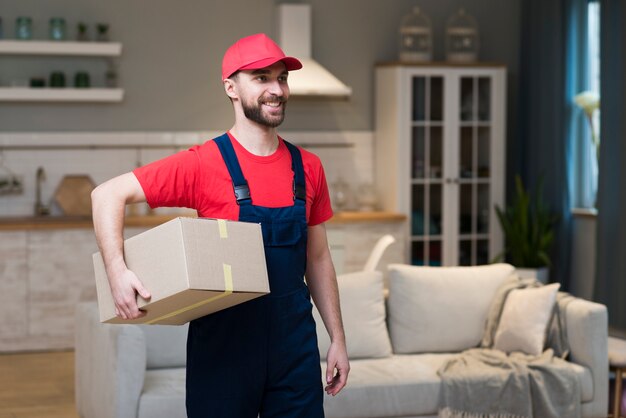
[[586, 78], [593, 40]]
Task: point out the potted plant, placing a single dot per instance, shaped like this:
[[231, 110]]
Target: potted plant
[[528, 227]]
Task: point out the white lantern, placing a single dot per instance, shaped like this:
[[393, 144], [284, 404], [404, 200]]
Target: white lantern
[[416, 37], [461, 38]]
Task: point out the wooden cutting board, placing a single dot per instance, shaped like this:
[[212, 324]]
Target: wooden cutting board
[[73, 195]]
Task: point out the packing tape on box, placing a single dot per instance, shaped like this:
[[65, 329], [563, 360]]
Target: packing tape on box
[[228, 290], [221, 225]]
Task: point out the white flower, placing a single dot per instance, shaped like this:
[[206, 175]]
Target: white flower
[[588, 101]]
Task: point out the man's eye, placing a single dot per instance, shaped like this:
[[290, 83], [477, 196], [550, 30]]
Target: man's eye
[[282, 78], [262, 78]]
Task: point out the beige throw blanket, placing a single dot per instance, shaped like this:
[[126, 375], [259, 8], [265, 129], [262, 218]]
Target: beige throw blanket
[[487, 383]]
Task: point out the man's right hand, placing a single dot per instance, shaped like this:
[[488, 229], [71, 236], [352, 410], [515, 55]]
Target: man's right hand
[[124, 289]]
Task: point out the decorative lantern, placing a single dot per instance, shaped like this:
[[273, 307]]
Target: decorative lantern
[[416, 37], [461, 38]]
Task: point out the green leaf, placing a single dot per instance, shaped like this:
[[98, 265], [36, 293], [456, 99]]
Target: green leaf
[[528, 225]]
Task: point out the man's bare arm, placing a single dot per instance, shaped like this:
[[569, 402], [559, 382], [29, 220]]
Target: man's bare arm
[[108, 202], [322, 280]]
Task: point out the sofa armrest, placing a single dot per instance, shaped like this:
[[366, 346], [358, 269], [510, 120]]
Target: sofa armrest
[[587, 333], [110, 366]]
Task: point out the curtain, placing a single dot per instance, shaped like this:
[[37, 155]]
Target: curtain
[[610, 283], [546, 106]]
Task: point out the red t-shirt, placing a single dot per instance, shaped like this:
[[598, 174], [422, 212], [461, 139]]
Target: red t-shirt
[[198, 179]]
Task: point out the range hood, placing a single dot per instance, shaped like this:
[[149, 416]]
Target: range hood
[[313, 80]]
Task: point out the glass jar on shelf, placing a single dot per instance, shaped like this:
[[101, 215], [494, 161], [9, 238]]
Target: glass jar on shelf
[[24, 28], [416, 37], [57, 29], [111, 78], [340, 194], [367, 197], [81, 80]]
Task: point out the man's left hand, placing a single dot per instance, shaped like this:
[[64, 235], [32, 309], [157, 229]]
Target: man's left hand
[[336, 359]]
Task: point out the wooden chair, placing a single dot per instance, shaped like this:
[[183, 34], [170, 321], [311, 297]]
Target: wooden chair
[[377, 252], [617, 363]]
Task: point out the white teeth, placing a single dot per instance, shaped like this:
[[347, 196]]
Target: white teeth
[[272, 104]]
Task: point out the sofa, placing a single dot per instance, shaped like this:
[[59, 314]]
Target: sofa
[[399, 333]]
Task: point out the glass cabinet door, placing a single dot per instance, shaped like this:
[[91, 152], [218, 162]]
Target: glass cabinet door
[[427, 151], [474, 168]]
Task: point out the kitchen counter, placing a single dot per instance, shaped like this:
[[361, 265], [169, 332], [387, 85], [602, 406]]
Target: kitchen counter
[[71, 222]]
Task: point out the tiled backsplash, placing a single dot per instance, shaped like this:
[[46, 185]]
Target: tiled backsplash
[[348, 155]]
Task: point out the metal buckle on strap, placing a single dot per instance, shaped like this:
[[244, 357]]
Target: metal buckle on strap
[[242, 192], [299, 192]]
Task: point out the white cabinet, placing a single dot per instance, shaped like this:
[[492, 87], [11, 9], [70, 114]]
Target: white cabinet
[[60, 48], [440, 152]]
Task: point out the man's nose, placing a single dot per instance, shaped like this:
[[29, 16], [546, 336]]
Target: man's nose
[[276, 88]]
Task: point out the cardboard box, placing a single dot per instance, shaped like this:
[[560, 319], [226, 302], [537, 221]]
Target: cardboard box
[[192, 267]]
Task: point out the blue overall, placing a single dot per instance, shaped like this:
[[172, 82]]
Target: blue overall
[[261, 357]]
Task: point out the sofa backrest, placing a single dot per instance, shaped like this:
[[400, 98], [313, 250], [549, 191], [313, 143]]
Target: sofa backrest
[[166, 345], [440, 309]]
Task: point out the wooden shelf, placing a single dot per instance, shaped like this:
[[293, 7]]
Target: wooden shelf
[[101, 49], [374, 216], [25, 94]]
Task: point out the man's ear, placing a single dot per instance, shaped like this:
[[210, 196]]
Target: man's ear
[[230, 88]]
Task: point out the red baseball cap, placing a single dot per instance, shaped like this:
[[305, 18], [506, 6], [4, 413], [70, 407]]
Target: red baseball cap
[[254, 52]]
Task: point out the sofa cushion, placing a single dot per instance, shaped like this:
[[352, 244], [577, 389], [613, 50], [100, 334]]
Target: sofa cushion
[[524, 321], [396, 386], [404, 385], [163, 394], [363, 309], [166, 345], [441, 309]]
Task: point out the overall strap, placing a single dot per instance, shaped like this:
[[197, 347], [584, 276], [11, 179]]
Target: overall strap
[[299, 185], [240, 185]]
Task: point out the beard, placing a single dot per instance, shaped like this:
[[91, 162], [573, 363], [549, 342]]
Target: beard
[[254, 112]]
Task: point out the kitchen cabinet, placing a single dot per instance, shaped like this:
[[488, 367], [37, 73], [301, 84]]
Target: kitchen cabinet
[[60, 48], [43, 275], [13, 285], [440, 151]]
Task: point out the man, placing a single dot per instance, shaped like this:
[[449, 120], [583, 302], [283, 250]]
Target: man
[[259, 357]]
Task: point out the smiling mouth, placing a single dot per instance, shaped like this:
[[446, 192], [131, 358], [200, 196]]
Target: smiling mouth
[[273, 104]]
